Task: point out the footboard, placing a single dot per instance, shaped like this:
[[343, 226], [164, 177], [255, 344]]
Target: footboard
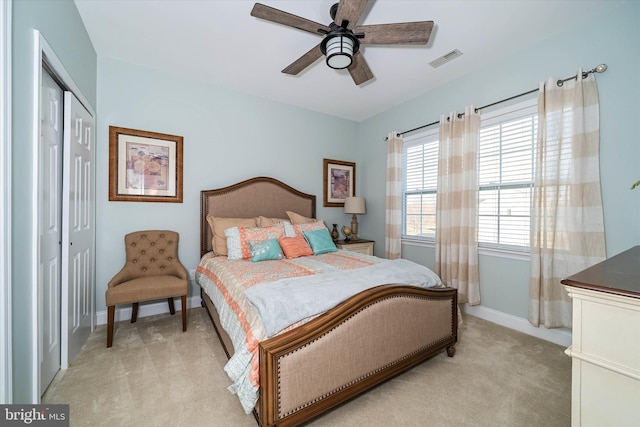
[[355, 346]]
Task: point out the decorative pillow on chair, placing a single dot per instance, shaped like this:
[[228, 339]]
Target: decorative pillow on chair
[[240, 238], [294, 247], [320, 241], [265, 250]]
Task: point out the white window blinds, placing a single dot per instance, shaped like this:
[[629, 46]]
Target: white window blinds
[[505, 178]]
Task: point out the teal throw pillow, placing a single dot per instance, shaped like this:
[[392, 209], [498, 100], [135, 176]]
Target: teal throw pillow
[[320, 241], [266, 250]]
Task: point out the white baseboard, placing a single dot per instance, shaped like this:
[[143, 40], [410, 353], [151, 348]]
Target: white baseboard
[[145, 310], [560, 336]]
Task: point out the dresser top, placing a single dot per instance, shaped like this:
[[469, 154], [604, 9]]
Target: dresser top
[[618, 275]]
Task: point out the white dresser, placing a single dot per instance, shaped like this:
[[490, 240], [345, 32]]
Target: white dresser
[[605, 351]]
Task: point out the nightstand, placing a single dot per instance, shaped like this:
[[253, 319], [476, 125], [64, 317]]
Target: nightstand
[[362, 246]]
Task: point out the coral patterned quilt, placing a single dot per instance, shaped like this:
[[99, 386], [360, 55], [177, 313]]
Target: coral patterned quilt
[[225, 281]]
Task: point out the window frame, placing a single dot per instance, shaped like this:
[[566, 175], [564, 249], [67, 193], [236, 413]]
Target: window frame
[[511, 112]]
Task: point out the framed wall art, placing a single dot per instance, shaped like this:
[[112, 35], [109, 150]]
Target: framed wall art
[[144, 166], [339, 182]]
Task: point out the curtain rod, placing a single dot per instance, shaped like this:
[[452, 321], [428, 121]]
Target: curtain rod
[[599, 69]]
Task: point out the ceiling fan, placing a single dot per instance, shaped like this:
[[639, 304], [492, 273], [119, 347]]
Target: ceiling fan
[[343, 37]]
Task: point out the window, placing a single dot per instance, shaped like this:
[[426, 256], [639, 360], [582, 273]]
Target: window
[[505, 178], [420, 179]]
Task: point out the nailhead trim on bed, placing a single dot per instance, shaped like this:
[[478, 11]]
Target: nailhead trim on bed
[[324, 396]]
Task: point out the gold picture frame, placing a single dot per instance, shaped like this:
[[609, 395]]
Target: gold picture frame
[[339, 182], [144, 166]]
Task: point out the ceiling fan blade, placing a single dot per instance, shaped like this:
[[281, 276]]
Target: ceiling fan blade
[[304, 61], [359, 69], [350, 10], [399, 33], [276, 15]]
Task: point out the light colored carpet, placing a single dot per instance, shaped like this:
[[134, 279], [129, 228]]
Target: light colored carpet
[[157, 375]]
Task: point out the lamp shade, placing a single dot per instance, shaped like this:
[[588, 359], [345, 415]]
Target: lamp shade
[[339, 52], [354, 205]]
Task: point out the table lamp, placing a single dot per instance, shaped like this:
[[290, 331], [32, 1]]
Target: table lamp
[[354, 205]]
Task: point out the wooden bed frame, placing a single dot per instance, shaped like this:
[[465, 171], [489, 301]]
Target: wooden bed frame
[[362, 342]]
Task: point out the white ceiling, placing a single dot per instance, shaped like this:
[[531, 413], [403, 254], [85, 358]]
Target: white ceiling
[[217, 41]]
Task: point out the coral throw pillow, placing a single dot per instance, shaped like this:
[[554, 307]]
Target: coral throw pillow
[[294, 247]]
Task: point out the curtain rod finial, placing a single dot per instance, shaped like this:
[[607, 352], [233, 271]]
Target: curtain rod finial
[[601, 68]]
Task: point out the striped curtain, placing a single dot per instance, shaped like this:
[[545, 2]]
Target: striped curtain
[[393, 214], [567, 230], [457, 205]]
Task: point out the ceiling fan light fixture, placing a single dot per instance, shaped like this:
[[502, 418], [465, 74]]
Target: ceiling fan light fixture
[[339, 51]]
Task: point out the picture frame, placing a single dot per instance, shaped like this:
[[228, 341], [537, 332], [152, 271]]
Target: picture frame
[[339, 182], [144, 166]]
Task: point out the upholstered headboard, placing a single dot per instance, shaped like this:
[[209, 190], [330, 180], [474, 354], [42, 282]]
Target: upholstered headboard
[[261, 196]]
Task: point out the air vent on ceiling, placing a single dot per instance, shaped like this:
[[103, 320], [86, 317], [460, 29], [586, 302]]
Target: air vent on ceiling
[[445, 58]]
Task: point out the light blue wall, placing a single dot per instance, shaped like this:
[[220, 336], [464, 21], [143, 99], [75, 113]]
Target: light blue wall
[[287, 143], [611, 39], [61, 26], [228, 137]]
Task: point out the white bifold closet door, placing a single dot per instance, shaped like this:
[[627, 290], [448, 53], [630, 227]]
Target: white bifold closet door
[[67, 228], [78, 228], [50, 225]]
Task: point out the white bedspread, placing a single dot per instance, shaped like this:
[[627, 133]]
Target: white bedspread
[[286, 301]]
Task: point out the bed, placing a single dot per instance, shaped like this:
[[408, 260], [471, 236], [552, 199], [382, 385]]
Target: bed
[[325, 359]]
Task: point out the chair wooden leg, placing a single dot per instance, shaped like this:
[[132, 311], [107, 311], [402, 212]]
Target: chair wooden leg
[[172, 308], [111, 312], [134, 312], [183, 298]]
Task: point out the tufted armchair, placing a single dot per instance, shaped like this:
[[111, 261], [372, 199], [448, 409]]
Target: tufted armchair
[[151, 271]]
